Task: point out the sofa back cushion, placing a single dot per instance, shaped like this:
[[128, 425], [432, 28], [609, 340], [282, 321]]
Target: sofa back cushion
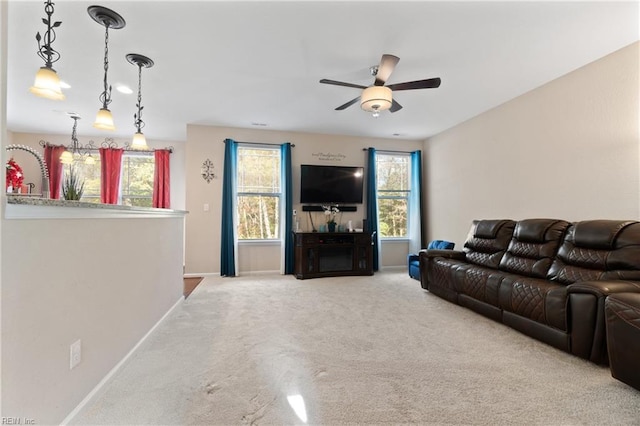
[[487, 241], [598, 250], [533, 247]]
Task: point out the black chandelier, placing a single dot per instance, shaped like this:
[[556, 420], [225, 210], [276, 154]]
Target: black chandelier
[[139, 141], [75, 152], [109, 19], [47, 82]]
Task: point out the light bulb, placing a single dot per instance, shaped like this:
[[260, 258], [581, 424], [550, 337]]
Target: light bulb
[[66, 158]]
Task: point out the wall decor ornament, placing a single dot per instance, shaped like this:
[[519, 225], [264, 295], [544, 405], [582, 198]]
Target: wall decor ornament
[[207, 171]]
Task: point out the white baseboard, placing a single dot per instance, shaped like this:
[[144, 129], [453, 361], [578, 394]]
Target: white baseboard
[[113, 371]]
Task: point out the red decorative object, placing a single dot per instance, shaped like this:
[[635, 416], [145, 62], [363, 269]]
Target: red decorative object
[[14, 174]]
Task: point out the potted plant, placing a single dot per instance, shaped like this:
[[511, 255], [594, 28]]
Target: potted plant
[[73, 185], [330, 213]]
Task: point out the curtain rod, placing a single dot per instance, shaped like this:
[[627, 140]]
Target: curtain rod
[[108, 143], [388, 150], [260, 143]]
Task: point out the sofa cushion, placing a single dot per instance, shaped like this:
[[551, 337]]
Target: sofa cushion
[[537, 299], [533, 246], [478, 282], [487, 241], [598, 234], [598, 250]]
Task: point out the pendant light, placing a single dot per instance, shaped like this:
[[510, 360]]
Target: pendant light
[[139, 141], [109, 19], [47, 82], [74, 152]]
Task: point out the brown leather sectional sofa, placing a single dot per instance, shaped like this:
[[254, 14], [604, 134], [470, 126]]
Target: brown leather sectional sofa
[[547, 278]]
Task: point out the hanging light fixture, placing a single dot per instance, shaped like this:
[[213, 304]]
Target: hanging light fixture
[[375, 99], [47, 82], [74, 152], [109, 19], [139, 141]]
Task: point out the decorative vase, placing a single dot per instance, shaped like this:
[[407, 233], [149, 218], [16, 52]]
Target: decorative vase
[[331, 226]]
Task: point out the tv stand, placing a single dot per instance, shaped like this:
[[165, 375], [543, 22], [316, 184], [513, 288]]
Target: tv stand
[[332, 254]]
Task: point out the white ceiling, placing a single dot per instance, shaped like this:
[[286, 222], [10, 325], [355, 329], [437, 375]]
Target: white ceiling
[[238, 63]]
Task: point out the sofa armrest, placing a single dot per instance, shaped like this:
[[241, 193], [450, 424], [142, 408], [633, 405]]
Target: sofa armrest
[[586, 302], [449, 254], [428, 254], [603, 288]]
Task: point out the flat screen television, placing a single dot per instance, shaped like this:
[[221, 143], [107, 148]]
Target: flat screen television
[[331, 184]]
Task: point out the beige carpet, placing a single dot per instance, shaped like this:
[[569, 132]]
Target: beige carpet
[[358, 350]]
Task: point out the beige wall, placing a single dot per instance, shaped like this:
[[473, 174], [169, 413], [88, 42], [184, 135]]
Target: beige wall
[[3, 142], [567, 150], [104, 281], [203, 227]]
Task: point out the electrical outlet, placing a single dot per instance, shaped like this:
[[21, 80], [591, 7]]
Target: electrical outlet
[[295, 212], [206, 207], [75, 354]]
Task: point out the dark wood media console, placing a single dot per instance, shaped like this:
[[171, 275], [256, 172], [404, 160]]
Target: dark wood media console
[[332, 254]]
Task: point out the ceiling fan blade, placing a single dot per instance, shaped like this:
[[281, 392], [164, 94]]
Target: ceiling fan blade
[[387, 65], [341, 83], [348, 104], [395, 106], [430, 83]]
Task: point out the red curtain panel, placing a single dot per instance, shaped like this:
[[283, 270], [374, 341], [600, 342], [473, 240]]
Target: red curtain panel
[[110, 165], [161, 181], [52, 155]]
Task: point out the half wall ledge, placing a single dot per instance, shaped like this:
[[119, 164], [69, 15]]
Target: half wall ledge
[[21, 207]]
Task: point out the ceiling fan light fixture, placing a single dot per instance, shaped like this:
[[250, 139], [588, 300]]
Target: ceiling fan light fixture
[[376, 98]]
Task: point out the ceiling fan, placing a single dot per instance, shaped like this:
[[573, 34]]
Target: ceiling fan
[[378, 97]]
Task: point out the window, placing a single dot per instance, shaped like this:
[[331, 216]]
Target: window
[[91, 175], [393, 177], [136, 180], [259, 192]]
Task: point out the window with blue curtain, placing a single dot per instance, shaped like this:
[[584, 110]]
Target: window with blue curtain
[[398, 185], [257, 202], [372, 206], [415, 220], [288, 260], [228, 240]]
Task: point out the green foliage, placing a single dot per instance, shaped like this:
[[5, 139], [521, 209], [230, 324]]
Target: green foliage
[[73, 185], [258, 184], [137, 180], [392, 172]]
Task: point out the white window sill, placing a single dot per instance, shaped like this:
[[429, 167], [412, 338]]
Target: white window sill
[[260, 242]]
